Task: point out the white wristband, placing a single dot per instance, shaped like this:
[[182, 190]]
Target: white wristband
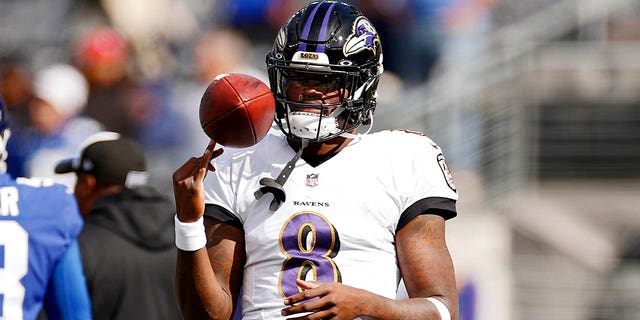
[[190, 236], [442, 309]]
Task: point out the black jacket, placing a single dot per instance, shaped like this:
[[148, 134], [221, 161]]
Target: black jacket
[[129, 256]]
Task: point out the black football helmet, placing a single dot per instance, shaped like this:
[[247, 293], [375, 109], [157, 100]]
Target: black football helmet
[[331, 42]]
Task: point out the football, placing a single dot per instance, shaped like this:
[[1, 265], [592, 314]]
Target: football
[[236, 110]]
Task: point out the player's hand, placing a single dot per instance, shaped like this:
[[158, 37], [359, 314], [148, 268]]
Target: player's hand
[[188, 187], [333, 301]]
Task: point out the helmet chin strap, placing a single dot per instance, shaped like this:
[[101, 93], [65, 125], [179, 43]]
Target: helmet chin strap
[[275, 186], [305, 125], [308, 123]]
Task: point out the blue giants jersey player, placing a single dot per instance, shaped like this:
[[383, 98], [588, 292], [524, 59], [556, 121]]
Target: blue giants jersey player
[[339, 220], [39, 258]]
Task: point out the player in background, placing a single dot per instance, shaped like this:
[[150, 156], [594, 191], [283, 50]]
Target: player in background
[[358, 212], [127, 243], [39, 257]]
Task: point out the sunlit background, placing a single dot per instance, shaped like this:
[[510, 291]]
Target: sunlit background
[[536, 104]]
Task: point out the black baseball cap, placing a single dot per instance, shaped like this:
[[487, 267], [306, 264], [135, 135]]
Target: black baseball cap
[[111, 158]]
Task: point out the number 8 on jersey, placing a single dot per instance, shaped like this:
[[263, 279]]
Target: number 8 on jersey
[[310, 243]]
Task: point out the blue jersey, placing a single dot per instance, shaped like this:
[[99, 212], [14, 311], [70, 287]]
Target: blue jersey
[[39, 222]]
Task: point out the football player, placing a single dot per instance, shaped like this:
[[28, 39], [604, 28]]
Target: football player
[[39, 256], [318, 221]]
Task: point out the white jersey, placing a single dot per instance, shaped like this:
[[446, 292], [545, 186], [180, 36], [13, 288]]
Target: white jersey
[[339, 219]]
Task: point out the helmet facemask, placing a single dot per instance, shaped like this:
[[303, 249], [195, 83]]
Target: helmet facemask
[[345, 108]]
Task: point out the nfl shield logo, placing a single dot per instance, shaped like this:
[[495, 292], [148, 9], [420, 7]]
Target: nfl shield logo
[[312, 179]]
